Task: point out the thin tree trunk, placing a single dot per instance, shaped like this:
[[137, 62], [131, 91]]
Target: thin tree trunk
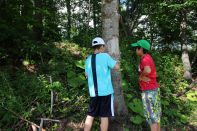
[[68, 6], [110, 23], [151, 36], [195, 57], [151, 41], [26, 11], [38, 27], [185, 55], [122, 24], [94, 14]]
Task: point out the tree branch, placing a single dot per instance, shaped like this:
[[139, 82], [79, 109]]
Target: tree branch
[[193, 84]]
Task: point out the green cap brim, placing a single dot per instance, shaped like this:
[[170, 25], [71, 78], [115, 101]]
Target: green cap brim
[[135, 44]]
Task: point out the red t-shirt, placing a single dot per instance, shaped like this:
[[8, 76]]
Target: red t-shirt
[[147, 60]]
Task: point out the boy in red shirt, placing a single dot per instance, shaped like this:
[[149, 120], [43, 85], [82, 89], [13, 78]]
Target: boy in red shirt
[[148, 85]]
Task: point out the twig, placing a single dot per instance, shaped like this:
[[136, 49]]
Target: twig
[[41, 58], [52, 96], [48, 119], [41, 125]]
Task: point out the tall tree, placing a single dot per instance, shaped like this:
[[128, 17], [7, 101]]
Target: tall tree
[[185, 55], [110, 30]]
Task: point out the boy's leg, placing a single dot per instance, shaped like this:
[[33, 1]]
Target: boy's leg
[[155, 127], [158, 126], [88, 123], [104, 123], [152, 108]]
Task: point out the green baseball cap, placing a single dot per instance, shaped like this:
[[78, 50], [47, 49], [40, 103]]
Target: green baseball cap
[[142, 43]]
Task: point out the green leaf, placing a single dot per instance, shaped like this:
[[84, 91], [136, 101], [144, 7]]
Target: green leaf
[[55, 85], [136, 106], [71, 74], [77, 81], [165, 102], [184, 119], [192, 96], [80, 64], [137, 119], [26, 62]]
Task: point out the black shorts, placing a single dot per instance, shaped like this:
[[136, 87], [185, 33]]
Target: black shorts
[[101, 106]]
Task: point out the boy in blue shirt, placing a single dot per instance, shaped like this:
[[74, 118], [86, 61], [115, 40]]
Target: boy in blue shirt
[[98, 72]]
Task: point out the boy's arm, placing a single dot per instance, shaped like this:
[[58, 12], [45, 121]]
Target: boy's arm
[[117, 66], [145, 72], [86, 75], [112, 64]]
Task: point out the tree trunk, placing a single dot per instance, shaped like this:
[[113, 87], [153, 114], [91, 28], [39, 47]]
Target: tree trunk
[[195, 57], [94, 13], [68, 6], [26, 12], [185, 55], [38, 25], [110, 23]]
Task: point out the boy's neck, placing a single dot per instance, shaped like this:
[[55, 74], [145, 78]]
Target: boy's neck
[[142, 55], [97, 51]]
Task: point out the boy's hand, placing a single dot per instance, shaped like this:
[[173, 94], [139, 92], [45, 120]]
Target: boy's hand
[[117, 66], [144, 78], [86, 76], [145, 72]]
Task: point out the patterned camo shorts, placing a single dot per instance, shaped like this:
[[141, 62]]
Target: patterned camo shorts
[[152, 105]]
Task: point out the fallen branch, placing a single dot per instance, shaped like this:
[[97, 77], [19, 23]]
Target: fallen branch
[[48, 119], [20, 117], [62, 123], [193, 84]]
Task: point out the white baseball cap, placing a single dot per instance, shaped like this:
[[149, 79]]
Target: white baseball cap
[[98, 41]]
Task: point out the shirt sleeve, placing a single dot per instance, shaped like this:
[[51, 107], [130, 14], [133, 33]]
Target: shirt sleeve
[[145, 62], [111, 62]]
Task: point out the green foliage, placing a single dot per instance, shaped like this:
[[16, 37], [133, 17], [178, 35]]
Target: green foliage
[[192, 96], [136, 106], [24, 94], [137, 119], [68, 84], [30, 54]]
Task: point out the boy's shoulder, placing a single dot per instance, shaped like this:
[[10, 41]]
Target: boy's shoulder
[[101, 54], [104, 54], [88, 57]]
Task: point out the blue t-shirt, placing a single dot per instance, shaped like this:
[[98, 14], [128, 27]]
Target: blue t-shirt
[[104, 64]]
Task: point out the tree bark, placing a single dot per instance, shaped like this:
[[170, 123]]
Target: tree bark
[[110, 30], [185, 56]]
